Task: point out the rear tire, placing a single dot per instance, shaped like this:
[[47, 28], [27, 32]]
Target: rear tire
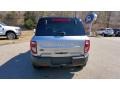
[[17, 37], [11, 35], [103, 34], [78, 68], [35, 66], [81, 66]]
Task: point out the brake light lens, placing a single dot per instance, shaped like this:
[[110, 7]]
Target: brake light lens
[[33, 47], [87, 46], [61, 20]]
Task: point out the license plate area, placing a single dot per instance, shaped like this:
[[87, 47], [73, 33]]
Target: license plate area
[[60, 60], [61, 53]]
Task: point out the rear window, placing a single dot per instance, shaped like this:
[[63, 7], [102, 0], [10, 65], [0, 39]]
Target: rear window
[[60, 26], [117, 29]]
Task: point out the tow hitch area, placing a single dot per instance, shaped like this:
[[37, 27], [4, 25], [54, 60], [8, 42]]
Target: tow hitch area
[[77, 60]]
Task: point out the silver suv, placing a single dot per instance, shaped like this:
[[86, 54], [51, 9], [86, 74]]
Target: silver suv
[[11, 32], [59, 41], [106, 32]]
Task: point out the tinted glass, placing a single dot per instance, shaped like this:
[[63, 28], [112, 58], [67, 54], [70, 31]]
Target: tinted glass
[[2, 24], [116, 29], [58, 27]]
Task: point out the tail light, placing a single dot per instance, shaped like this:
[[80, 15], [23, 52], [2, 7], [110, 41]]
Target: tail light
[[33, 47], [87, 46], [61, 20]]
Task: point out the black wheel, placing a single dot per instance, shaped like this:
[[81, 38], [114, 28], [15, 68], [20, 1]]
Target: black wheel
[[103, 34], [114, 35], [119, 34], [78, 68], [81, 66], [35, 66], [11, 35], [17, 37]]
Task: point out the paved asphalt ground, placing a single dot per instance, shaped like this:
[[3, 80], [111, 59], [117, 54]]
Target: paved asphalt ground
[[104, 62]]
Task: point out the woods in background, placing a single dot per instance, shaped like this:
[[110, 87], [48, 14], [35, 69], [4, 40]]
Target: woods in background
[[28, 19]]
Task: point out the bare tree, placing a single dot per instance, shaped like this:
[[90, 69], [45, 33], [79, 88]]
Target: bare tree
[[108, 18]]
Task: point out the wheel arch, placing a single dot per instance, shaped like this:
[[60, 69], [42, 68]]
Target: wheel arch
[[9, 31]]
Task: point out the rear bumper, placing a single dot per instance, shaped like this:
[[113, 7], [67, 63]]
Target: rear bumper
[[59, 61]]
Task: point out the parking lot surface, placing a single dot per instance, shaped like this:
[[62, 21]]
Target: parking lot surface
[[103, 63]]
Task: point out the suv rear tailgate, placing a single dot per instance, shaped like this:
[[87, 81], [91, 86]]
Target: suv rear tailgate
[[60, 46]]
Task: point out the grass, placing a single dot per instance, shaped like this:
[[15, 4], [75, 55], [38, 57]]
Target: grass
[[26, 36]]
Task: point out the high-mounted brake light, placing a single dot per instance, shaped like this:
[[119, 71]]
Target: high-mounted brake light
[[61, 20], [87, 46], [33, 47]]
